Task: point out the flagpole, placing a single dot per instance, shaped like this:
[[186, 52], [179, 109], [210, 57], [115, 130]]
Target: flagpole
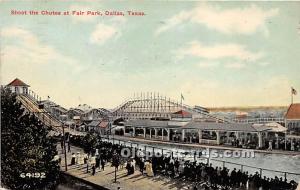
[[292, 95], [293, 92], [181, 100]]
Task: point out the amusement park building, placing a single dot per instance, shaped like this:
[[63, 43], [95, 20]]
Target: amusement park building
[[191, 131], [292, 118], [17, 86]]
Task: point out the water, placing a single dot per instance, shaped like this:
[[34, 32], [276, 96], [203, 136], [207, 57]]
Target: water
[[278, 162]]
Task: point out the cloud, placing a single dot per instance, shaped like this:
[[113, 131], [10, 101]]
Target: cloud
[[207, 64], [40, 65], [30, 50], [226, 64], [235, 65], [117, 20], [229, 21], [218, 51], [102, 33], [264, 63], [15, 32], [174, 21]]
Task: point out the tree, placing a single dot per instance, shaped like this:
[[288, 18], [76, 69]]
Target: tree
[[27, 151], [89, 145]]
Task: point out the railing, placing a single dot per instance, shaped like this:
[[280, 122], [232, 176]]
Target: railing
[[42, 114], [210, 142], [215, 162], [262, 171], [32, 109], [259, 120], [35, 101], [33, 96]]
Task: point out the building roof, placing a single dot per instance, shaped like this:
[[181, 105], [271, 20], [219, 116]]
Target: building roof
[[275, 127], [84, 108], [103, 124], [183, 113], [75, 111], [199, 125], [148, 123], [293, 112], [76, 117], [246, 127], [94, 123], [17, 82]]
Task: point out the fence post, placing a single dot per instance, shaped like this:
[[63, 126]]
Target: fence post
[[153, 151], [284, 175], [223, 164], [241, 168], [260, 172]]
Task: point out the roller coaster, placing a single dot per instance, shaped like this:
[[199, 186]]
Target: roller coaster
[[155, 106]]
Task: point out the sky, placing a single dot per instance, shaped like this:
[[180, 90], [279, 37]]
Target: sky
[[215, 54]]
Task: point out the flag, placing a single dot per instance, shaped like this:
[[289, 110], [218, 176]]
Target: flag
[[182, 97], [294, 92]]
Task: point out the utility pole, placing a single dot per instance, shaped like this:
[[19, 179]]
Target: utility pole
[[64, 146]]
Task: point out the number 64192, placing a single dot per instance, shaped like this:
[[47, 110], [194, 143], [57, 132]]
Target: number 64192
[[33, 175]]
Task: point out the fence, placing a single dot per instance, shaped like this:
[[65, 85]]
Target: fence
[[259, 120], [215, 162]]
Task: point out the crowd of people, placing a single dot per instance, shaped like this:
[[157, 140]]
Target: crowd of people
[[280, 144], [273, 143], [200, 174]]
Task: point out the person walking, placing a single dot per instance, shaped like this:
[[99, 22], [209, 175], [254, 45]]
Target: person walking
[[93, 169], [97, 161], [69, 146], [62, 144], [73, 159], [149, 170], [81, 160], [102, 164], [142, 165], [270, 145], [78, 157], [128, 165]]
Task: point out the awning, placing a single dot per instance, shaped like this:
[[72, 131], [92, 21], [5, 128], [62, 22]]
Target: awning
[[276, 127]]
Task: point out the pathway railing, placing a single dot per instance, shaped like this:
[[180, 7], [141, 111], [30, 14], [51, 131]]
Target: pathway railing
[[260, 120], [216, 163]]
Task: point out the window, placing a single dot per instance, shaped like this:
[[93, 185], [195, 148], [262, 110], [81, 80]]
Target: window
[[24, 90]]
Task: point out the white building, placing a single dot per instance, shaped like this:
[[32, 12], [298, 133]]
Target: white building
[[17, 86]]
